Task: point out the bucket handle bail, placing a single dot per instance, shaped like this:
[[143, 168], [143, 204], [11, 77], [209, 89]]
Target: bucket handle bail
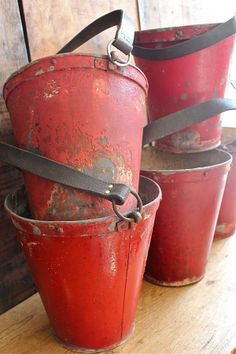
[[117, 193], [123, 38]]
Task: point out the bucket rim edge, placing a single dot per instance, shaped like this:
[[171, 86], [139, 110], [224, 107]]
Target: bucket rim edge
[[112, 218], [194, 169], [171, 28], [96, 56]]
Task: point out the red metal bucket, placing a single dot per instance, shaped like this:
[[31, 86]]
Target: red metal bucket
[[192, 187], [178, 80], [226, 224], [88, 272], [85, 112]]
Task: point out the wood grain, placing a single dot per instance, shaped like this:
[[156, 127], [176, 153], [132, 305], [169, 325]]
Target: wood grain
[[51, 24], [190, 320], [15, 280], [162, 13]]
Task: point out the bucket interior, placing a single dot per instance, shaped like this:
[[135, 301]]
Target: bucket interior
[[17, 202], [156, 160]]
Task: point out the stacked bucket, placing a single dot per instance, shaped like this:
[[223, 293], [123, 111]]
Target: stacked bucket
[[186, 66], [84, 115], [86, 112]]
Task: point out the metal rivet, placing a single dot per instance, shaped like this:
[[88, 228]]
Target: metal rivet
[[107, 191], [110, 186]]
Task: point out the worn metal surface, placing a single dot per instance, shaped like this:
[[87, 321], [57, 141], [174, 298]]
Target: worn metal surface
[[85, 112], [185, 81], [226, 224], [89, 272], [192, 187]]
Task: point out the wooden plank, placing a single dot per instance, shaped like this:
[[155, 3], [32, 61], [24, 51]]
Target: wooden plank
[[162, 13], [195, 319], [15, 280], [51, 24]]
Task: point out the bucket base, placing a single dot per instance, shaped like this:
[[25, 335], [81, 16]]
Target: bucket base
[[218, 237], [224, 231], [77, 349], [174, 284]]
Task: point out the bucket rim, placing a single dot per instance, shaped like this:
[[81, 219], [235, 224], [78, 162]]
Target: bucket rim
[[118, 70], [227, 161], [110, 218], [173, 28]]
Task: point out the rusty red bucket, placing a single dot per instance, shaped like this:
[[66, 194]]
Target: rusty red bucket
[[88, 272], [226, 223], [192, 187], [85, 111], [185, 66]]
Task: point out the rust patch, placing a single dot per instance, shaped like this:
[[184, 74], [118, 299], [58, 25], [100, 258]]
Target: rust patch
[[36, 230], [186, 140], [39, 72], [179, 34], [103, 141], [224, 228], [52, 90]]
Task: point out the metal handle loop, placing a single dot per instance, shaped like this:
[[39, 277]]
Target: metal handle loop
[[114, 61], [135, 215]]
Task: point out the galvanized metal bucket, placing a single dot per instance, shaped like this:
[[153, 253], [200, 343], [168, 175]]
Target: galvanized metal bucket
[[192, 187], [226, 223], [185, 66], [88, 272]]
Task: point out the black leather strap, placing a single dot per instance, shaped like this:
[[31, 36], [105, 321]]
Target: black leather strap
[[175, 122], [57, 172], [118, 193], [214, 35], [124, 34]]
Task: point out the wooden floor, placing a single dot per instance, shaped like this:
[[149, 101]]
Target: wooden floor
[[195, 319]]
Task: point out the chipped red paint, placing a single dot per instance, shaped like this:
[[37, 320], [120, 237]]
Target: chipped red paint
[[226, 224], [185, 222], [179, 83], [83, 111], [88, 273]]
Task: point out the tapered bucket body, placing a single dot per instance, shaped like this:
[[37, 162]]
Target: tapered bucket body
[[88, 273], [226, 224], [178, 83], [85, 112], [192, 187]]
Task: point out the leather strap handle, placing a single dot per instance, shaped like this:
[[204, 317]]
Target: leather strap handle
[[117, 193], [185, 118], [194, 44], [124, 35], [60, 173]]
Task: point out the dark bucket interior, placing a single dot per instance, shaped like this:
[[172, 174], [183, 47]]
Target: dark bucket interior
[[156, 160], [17, 202]]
